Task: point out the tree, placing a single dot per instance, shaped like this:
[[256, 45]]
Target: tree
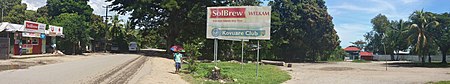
[[442, 35], [7, 6], [395, 36], [97, 30], [360, 44], [57, 7], [302, 30], [75, 32], [75, 17], [168, 17], [16, 14], [376, 41], [418, 34]]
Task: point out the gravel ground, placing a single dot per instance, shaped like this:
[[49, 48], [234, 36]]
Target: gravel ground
[[362, 73], [160, 71]]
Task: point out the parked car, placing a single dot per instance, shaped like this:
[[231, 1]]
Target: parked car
[[133, 47], [114, 48]]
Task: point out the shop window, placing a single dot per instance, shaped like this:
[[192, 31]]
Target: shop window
[[25, 42], [34, 42]]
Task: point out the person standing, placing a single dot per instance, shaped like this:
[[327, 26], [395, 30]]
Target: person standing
[[20, 48], [177, 59]]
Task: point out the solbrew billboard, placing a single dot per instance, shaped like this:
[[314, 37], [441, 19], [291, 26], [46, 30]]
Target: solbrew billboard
[[238, 22], [34, 27]]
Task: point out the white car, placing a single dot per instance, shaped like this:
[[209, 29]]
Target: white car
[[133, 47]]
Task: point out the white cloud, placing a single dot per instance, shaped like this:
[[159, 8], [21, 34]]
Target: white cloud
[[409, 1], [379, 6], [351, 32], [97, 5], [34, 4]]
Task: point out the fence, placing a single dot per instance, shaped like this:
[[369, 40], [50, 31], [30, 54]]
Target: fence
[[414, 58]]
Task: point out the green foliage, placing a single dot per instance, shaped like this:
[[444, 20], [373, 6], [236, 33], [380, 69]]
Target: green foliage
[[440, 82], [302, 30], [268, 74], [360, 61], [180, 21], [337, 55], [193, 52], [57, 7], [75, 31], [376, 38], [16, 14], [418, 34]]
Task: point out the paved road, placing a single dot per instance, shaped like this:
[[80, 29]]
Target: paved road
[[93, 70]]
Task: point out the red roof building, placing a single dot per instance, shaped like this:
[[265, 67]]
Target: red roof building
[[351, 48], [366, 55]]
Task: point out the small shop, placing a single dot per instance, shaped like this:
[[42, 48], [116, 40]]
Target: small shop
[[53, 32], [30, 39], [7, 31], [353, 51]]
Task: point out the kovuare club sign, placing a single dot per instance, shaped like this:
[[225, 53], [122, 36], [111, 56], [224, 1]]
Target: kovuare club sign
[[238, 22]]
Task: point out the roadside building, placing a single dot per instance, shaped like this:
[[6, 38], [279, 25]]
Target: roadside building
[[30, 37], [353, 51], [366, 55], [53, 32]]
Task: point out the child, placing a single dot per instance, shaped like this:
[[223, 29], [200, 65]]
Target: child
[[177, 58]]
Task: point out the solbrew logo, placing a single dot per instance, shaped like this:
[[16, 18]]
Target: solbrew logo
[[33, 26], [227, 13]]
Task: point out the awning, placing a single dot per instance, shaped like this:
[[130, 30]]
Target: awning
[[10, 27]]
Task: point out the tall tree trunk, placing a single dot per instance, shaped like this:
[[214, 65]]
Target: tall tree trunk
[[444, 55], [392, 57], [423, 58], [429, 58], [398, 55]]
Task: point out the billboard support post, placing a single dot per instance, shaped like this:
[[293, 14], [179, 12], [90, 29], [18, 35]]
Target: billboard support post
[[242, 54], [215, 51], [257, 60]]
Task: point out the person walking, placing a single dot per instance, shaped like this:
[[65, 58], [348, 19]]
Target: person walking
[[177, 58]]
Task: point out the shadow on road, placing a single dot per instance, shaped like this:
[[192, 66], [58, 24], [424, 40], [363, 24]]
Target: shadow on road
[[425, 65]]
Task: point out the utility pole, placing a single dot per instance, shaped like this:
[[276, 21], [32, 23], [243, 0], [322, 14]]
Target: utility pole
[[106, 23]]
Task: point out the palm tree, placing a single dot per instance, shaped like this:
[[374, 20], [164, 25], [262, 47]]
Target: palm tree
[[395, 36], [418, 34]]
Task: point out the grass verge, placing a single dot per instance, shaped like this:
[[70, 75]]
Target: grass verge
[[268, 74], [440, 82], [360, 61]]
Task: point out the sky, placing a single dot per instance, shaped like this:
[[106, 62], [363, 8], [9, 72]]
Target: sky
[[95, 4], [351, 18]]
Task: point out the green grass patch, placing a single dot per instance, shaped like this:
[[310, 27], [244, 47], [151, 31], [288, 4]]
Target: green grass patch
[[268, 74], [360, 61], [440, 82]]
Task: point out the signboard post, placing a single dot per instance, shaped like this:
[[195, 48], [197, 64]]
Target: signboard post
[[238, 22]]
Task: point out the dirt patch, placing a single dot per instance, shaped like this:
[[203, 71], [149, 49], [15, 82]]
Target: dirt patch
[[336, 68], [365, 73], [25, 64]]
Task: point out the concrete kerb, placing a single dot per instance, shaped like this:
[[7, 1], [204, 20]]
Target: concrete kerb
[[34, 56]]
